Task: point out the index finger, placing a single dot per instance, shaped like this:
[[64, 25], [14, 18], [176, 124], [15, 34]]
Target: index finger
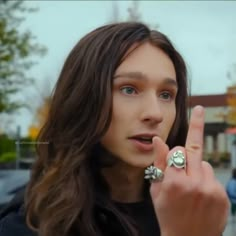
[[194, 141], [160, 151]]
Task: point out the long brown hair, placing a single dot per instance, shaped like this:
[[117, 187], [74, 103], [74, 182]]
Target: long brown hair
[[63, 190]]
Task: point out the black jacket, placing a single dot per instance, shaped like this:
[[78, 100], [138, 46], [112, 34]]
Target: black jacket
[[12, 220]]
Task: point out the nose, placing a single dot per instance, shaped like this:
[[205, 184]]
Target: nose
[[151, 110]]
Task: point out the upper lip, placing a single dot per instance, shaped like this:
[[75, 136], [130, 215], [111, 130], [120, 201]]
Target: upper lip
[[142, 135]]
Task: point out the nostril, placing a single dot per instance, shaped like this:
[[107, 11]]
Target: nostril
[[153, 120]]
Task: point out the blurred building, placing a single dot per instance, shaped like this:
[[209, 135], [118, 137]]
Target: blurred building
[[216, 140]]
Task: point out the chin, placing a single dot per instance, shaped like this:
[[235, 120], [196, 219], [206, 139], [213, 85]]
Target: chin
[[141, 164]]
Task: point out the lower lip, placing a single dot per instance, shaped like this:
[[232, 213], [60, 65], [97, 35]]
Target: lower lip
[[143, 147]]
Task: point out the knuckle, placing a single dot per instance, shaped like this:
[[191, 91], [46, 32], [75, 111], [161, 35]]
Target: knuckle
[[215, 194], [175, 185], [207, 167], [196, 189], [193, 148], [171, 186]]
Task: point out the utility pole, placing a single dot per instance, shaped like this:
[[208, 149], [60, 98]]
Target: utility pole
[[18, 147]]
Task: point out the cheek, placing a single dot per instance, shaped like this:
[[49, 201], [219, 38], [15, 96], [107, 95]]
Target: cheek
[[123, 111], [114, 129], [169, 121], [122, 117], [172, 116]]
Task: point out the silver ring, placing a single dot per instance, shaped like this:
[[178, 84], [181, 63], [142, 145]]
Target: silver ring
[[154, 174], [177, 159]]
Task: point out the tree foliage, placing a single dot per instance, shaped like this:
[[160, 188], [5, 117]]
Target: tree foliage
[[16, 51], [231, 102], [231, 97]]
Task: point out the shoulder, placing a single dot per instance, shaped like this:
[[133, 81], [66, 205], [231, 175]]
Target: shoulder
[[12, 218], [13, 223]]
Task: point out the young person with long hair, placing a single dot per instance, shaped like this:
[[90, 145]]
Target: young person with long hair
[[121, 158]]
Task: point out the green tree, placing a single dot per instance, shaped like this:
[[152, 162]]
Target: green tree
[[16, 51]]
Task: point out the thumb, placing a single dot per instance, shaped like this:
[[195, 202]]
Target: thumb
[[160, 151]]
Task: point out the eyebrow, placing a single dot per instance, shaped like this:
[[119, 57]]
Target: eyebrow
[[136, 75]]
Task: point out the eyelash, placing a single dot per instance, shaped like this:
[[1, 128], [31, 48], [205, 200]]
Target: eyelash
[[169, 93], [128, 87]]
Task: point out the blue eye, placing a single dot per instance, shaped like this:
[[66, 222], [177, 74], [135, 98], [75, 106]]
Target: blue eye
[[128, 90]]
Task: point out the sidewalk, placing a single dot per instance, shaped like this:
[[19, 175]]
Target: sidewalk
[[231, 227]]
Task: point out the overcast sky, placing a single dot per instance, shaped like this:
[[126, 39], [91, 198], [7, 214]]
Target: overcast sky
[[203, 31]]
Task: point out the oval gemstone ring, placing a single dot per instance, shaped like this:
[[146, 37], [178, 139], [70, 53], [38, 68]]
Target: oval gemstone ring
[[177, 159]]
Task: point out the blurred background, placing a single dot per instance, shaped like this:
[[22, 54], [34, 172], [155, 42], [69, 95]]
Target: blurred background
[[36, 37]]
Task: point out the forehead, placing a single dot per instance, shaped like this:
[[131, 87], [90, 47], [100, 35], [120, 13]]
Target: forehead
[[149, 60]]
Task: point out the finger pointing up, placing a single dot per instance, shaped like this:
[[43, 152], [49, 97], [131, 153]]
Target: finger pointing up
[[194, 141]]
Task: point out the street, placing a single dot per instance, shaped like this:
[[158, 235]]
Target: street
[[223, 175]]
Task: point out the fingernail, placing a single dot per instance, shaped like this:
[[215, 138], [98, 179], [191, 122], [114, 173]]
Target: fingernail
[[155, 138], [199, 110]]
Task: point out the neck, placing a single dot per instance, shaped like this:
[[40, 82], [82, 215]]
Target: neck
[[125, 182]]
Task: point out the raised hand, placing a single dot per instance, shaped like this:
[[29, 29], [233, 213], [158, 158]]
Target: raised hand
[[189, 201]]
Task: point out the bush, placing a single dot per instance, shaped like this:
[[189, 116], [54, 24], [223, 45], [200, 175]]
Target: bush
[[6, 144], [210, 158], [8, 157], [224, 157]]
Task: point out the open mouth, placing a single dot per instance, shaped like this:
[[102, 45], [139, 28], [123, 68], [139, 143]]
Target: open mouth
[[145, 140]]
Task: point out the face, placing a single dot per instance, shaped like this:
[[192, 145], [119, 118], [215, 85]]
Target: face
[[144, 92]]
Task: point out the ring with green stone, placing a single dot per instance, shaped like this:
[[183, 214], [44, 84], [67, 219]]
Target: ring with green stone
[[177, 159]]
